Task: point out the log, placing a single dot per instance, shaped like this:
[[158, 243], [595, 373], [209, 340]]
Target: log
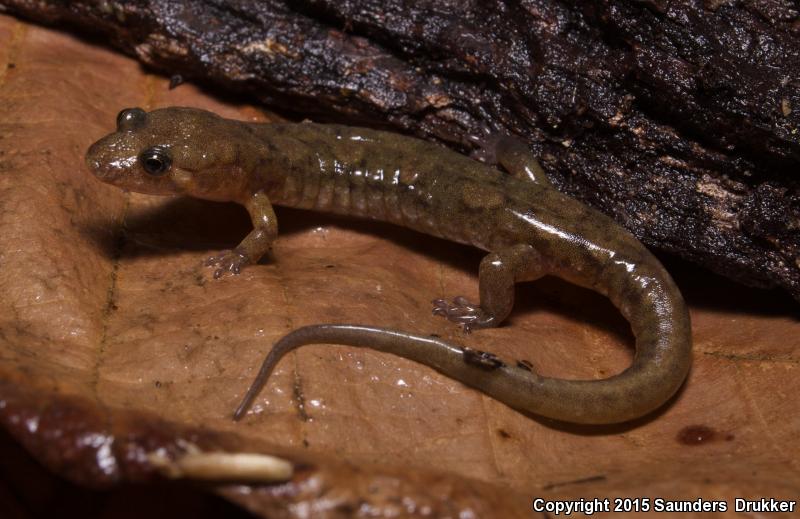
[[679, 119]]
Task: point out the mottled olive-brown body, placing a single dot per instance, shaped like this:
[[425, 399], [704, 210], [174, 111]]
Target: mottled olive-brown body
[[529, 228]]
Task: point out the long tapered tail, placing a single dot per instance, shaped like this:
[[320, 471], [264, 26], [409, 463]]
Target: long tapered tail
[[660, 365]]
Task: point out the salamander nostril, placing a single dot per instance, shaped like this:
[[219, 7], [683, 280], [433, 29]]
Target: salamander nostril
[[96, 167]]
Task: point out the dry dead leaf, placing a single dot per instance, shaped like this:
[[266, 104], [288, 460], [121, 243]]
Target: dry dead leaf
[[117, 343]]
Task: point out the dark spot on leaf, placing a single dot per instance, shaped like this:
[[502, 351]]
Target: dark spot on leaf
[[696, 435], [503, 434]]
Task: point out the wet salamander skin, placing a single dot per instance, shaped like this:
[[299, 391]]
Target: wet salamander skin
[[529, 229]]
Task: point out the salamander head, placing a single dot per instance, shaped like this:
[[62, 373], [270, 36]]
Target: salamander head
[[175, 151]]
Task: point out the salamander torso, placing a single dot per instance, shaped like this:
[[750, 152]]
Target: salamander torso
[[529, 229]]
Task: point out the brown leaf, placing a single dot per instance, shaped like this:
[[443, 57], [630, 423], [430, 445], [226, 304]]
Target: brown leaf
[[117, 343]]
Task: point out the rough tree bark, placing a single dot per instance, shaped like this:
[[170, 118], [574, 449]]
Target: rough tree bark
[[679, 119]]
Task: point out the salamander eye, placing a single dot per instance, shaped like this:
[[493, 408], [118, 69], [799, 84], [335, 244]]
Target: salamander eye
[[155, 161], [130, 118]]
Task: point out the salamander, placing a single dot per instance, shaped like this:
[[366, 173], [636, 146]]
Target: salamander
[[528, 228]]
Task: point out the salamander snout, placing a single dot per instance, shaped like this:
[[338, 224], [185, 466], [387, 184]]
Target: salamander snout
[[94, 163], [121, 160], [107, 161]]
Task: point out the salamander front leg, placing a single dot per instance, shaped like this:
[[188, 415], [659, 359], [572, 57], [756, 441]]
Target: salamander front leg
[[257, 243], [498, 273]]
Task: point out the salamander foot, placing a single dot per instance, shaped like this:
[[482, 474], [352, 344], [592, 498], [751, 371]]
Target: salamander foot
[[461, 311], [227, 262], [486, 147]]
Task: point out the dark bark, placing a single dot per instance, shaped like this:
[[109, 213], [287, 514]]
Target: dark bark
[[680, 119]]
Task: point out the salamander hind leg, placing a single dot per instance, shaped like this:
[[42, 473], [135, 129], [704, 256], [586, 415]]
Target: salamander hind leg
[[513, 155], [516, 158], [499, 271]]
